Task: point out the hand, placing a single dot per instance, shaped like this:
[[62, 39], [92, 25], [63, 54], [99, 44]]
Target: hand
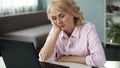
[[77, 59], [57, 28], [64, 59]]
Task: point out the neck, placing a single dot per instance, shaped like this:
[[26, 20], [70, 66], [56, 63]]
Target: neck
[[69, 31]]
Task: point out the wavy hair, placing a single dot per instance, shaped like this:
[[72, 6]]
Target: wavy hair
[[69, 6]]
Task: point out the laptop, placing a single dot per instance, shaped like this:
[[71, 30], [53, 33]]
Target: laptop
[[21, 54]]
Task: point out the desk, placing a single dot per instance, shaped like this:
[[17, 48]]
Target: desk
[[109, 64], [2, 65], [72, 65], [112, 64]]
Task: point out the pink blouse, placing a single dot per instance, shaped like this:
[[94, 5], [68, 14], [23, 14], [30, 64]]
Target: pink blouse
[[84, 41]]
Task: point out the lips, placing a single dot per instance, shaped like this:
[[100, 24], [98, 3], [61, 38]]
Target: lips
[[61, 26]]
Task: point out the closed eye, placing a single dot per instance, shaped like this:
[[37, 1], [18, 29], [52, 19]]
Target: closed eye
[[62, 15], [54, 18]]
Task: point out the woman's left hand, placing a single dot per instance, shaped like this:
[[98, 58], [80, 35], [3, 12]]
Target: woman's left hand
[[77, 59], [64, 59]]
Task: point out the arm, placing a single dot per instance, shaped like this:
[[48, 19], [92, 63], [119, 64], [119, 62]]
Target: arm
[[76, 59], [49, 46], [97, 56]]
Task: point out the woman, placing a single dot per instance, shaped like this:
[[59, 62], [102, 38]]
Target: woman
[[71, 39]]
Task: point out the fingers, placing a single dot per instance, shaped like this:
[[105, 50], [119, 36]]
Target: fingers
[[60, 59], [55, 25], [53, 22]]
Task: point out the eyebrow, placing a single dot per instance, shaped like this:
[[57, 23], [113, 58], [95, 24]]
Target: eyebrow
[[58, 14]]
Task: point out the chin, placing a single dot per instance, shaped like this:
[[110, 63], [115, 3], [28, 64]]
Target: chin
[[62, 29]]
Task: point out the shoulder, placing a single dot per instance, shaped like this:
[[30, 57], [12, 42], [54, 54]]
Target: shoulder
[[87, 26]]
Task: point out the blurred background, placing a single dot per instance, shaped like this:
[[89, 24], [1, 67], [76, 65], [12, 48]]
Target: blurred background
[[20, 16]]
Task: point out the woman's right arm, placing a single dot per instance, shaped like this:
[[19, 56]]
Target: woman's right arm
[[49, 46]]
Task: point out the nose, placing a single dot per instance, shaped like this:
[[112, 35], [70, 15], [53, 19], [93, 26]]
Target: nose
[[59, 21]]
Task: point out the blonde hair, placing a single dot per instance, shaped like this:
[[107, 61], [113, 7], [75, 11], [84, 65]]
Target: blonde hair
[[69, 6]]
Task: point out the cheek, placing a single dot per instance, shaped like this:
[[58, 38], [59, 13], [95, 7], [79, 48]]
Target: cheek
[[68, 20], [65, 21]]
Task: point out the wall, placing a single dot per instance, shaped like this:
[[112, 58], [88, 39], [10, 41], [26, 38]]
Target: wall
[[94, 11], [42, 4]]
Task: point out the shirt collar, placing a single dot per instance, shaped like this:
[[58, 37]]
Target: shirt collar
[[63, 35], [75, 33]]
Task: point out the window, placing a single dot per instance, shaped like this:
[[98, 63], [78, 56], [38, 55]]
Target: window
[[17, 6]]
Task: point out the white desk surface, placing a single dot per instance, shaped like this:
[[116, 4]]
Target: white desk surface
[[109, 64], [72, 65], [2, 65]]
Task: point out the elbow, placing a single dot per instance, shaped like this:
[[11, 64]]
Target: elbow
[[96, 61], [43, 58], [100, 62]]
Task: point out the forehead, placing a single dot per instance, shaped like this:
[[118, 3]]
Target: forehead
[[54, 11]]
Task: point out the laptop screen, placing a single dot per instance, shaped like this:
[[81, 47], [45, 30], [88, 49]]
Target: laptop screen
[[20, 54]]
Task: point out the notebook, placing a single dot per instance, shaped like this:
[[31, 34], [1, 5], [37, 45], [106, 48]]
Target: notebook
[[21, 54]]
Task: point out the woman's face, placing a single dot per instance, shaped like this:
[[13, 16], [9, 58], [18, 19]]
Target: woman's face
[[62, 19]]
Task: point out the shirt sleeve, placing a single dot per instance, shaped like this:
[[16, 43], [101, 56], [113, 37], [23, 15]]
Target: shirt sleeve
[[97, 56]]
